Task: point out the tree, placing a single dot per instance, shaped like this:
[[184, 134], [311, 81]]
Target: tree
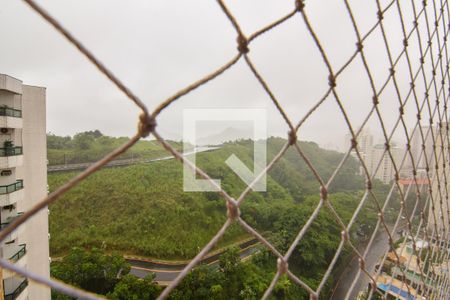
[[132, 288], [232, 269], [92, 270], [58, 142], [83, 140]]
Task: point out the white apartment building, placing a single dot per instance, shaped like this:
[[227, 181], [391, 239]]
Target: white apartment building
[[417, 145], [380, 162], [23, 182], [376, 159], [439, 215], [364, 145]]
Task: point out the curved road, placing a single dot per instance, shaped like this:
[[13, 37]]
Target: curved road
[[165, 273], [379, 247]]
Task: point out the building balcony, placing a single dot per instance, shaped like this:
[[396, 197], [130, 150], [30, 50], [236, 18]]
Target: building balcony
[[6, 111], [12, 193], [11, 151], [11, 157], [10, 117], [15, 253], [13, 287], [9, 220]]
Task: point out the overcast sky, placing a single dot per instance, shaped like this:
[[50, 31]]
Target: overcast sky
[[159, 47]]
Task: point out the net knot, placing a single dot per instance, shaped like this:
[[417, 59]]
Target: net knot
[[146, 124], [354, 143], [292, 137], [391, 71], [299, 5], [373, 285], [282, 266], [362, 263], [422, 60], [331, 81], [419, 117], [412, 84], [375, 100], [401, 110], [424, 3], [405, 43], [369, 184], [233, 211], [380, 15], [387, 146], [344, 235], [359, 46], [242, 44], [324, 193], [313, 296]]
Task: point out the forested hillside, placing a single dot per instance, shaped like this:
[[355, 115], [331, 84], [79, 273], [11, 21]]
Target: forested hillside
[[90, 146], [142, 209]]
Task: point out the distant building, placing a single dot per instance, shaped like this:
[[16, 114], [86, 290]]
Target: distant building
[[439, 215], [372, 155], [23, 183], [364, 145], [364, 139], [418, 143], [380, 163]]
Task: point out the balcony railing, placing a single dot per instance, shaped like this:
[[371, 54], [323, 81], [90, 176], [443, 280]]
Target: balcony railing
[[10, 112], [17, 291], [6, 189], [20, 253], [9, 220], [11, 151]]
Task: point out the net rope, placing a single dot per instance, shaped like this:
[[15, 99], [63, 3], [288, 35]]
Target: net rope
[[430, 30]]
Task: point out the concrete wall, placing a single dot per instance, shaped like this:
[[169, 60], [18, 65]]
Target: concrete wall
[[439, 216], [34, 173], [10, 84]]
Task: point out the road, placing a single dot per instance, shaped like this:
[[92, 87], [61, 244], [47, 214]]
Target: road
[[122, 162], [165, 273], [378, 248]]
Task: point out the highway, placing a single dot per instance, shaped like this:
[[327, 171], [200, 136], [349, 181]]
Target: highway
[[165, 273], [122, 162], [378, 248]]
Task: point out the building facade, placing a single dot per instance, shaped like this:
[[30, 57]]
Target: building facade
[[23, 183], [439, 207], [421, 149], [364, 145]]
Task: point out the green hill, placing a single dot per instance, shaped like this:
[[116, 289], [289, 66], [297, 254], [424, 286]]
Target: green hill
[[143, 210], [90, 146]]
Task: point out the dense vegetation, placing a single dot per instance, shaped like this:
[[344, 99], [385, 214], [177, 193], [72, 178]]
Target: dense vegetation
[[90, 146], [102, 273], [143, 210]]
